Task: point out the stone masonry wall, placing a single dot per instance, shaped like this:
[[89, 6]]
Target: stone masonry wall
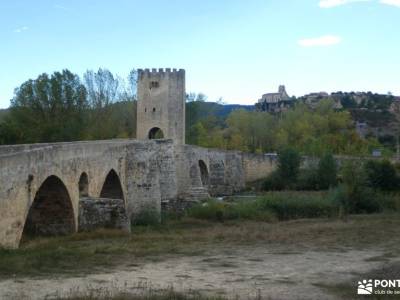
[[150, 172], [161, 103], [95, 213], [258, 166], [225, 170]]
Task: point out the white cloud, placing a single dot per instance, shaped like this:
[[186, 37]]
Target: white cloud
[[323, 41], [333, 3], [21, 29], [391, 2]]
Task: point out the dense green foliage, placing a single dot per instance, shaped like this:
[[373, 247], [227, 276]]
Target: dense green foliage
[[288, 166], [381, 175], [48, 108], [354, 194], [365, 186], [315, 176], [292, 205], [327, 172], [270, 207], [59, 107], [62, 107], [312, 131]]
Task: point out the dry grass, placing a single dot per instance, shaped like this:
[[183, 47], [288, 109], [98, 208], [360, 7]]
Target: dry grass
[[346, 290], [100, 251], [139, 292]]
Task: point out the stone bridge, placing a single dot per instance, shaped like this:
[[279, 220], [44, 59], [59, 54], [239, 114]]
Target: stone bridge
[[43, 185], [60, 188]]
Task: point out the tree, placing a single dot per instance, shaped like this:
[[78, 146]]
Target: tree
[[48, 109], [327, 172], [109, 117], [102, 88], [381, 175], [289, 166]]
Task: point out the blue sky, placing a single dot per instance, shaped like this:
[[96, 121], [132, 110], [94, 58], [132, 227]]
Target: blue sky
[[233, 49]]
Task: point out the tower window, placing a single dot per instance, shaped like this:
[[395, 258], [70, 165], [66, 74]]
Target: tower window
[[154, 84], [154, 109], [145, 109]]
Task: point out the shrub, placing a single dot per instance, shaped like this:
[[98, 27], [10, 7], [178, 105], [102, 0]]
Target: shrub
[[220, 211], [211, 210], [381, 175], [368, 203], [248, 210], [390, 202], [273, 182], [288, 166], [354, 184], [147, 216], [308, 180], [354, 195], [327, 172], [318, 177], [288, 206], [284, 206]]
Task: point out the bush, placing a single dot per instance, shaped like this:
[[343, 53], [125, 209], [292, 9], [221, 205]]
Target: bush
[[211, 210], [368, 203], [288, 206], [327, 172], [290, 176], [221, 211], [248, 210], [273, 182], [308, 180], [381, 175], [390, 202], [288, 166], [148, 216], [354, 196], [282, 206]]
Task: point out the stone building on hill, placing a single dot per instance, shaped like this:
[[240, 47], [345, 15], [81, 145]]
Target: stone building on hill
[[275, 102]]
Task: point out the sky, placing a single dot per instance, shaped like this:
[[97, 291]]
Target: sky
[[234, 49]]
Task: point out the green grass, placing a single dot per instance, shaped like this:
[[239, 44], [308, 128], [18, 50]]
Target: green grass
[[269, 207]]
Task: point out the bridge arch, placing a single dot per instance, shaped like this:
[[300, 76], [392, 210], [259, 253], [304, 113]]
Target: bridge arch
[[155, 133], [204, 174], [51, 212], [83, 185], [112, 187]]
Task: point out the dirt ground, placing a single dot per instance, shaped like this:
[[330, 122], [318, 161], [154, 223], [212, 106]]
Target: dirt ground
[[256, 271]]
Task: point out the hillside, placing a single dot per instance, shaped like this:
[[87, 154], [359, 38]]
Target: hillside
[[376, 115]]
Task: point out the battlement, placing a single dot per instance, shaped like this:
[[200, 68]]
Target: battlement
[[160, 71], [161, 104]]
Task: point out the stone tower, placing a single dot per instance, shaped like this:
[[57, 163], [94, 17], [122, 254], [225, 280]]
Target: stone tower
[[161, 104]]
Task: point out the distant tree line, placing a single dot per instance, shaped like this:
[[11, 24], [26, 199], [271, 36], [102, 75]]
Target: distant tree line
[[62, 107], [309, 130]]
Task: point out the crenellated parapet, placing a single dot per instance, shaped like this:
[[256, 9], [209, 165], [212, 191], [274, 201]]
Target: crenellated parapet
[[160, 72]]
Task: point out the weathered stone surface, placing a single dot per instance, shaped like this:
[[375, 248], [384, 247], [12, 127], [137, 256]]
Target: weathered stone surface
[[144, 173], [149, 172], [258, 166], [161, 103], [95, 213]]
